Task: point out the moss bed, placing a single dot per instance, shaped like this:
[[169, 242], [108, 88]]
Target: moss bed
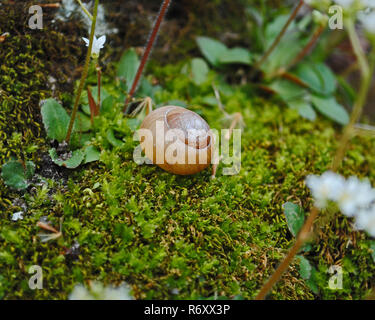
[[167, 236]]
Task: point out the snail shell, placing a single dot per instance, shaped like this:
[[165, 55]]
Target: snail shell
[[179, 140]]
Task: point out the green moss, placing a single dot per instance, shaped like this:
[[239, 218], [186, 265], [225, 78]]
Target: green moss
[[29, 58], [160, 232]]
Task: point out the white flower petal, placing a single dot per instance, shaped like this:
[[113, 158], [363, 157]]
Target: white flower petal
[[17, 216], [101, 41], [365, 220], [87, 41]]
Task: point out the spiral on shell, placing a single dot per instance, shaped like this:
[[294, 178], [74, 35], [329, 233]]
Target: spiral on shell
[[177, 140]]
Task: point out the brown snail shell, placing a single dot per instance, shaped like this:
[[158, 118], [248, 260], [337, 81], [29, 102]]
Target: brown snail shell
[[185, 143]]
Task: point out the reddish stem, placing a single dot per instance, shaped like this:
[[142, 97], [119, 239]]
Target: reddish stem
[[94, 109], [279, 37], [302, 236], [150, 44], [307, 49], [294, 79]]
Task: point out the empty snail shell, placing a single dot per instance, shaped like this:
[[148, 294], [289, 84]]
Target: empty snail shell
[[177, 140]]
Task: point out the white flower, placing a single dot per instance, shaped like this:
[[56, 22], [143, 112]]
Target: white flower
[[328, 186], [365, 220], [80, 293], [368, 3], [98, 292], [368, 21], [355, 196], [98, 43], [351, 195], [17, 216]]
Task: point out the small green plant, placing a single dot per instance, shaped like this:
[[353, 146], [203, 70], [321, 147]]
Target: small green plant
[[304, 84], [74, 147], [16, 173], [72, 133], [56, 121]]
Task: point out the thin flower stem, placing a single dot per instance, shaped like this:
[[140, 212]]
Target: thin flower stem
[[150, 44], [302, 237], [85, 10], [279, 37], [84, 73], [349, 129], [367, 72], [357, 47]]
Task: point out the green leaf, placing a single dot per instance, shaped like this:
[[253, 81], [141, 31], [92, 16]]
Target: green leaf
[[103, 94], [295, 217], [78, 140], [55, 120], [312, 281], [211, 49], [107, 106], [199, 70], [304, 267], [146, 89], [273, 28], [287, 90], [286, 50], [133, 123], [128, 66], [304, 108], [91, 154], [73, 162], [30, 169], [112, 139], [210, 100], [331, 109], [318, 77], [15, 176], [82, 123], [236, 55]]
